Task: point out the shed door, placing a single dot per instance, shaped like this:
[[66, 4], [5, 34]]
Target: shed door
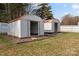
[[55, 27], [33, 28]]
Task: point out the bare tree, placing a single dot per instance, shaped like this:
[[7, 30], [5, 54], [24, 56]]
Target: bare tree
[[70, 20]]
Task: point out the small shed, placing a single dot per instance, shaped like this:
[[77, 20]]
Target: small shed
[[26, 26], [51, 26]]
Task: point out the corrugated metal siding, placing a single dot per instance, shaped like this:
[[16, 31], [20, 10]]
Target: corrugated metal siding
[[14, 29], [49, 26], [41, 28], [24, 28], [21, 28]]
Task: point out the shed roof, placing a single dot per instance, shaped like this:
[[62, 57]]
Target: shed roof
[[28, 17], [31, 17], [51, 20]]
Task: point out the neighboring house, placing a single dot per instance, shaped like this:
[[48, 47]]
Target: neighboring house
[[51, 26], [26, 26]]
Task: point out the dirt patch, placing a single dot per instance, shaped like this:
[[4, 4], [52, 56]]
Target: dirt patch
[[22, 40], [2, 46]]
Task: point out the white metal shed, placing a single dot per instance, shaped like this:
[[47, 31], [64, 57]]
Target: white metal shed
[[26, 26], [51, 26]]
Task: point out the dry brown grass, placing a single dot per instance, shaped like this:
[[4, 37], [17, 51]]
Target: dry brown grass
[[61, 44]]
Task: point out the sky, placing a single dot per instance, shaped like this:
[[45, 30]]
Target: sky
[[61, 9]]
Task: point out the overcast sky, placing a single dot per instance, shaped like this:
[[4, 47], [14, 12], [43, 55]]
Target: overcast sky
[[61, 9]]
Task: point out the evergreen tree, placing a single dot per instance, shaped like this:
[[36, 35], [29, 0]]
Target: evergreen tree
[[10, 11], [44, 11]]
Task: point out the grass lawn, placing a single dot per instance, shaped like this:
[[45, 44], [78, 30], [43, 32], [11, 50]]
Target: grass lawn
[[61, 44]]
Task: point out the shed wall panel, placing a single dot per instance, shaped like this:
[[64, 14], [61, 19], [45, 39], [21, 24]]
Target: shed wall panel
[[41, 28], [14, 29]]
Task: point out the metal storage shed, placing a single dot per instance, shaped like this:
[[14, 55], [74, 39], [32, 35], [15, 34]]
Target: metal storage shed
[[51, 26], [26, 26]]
